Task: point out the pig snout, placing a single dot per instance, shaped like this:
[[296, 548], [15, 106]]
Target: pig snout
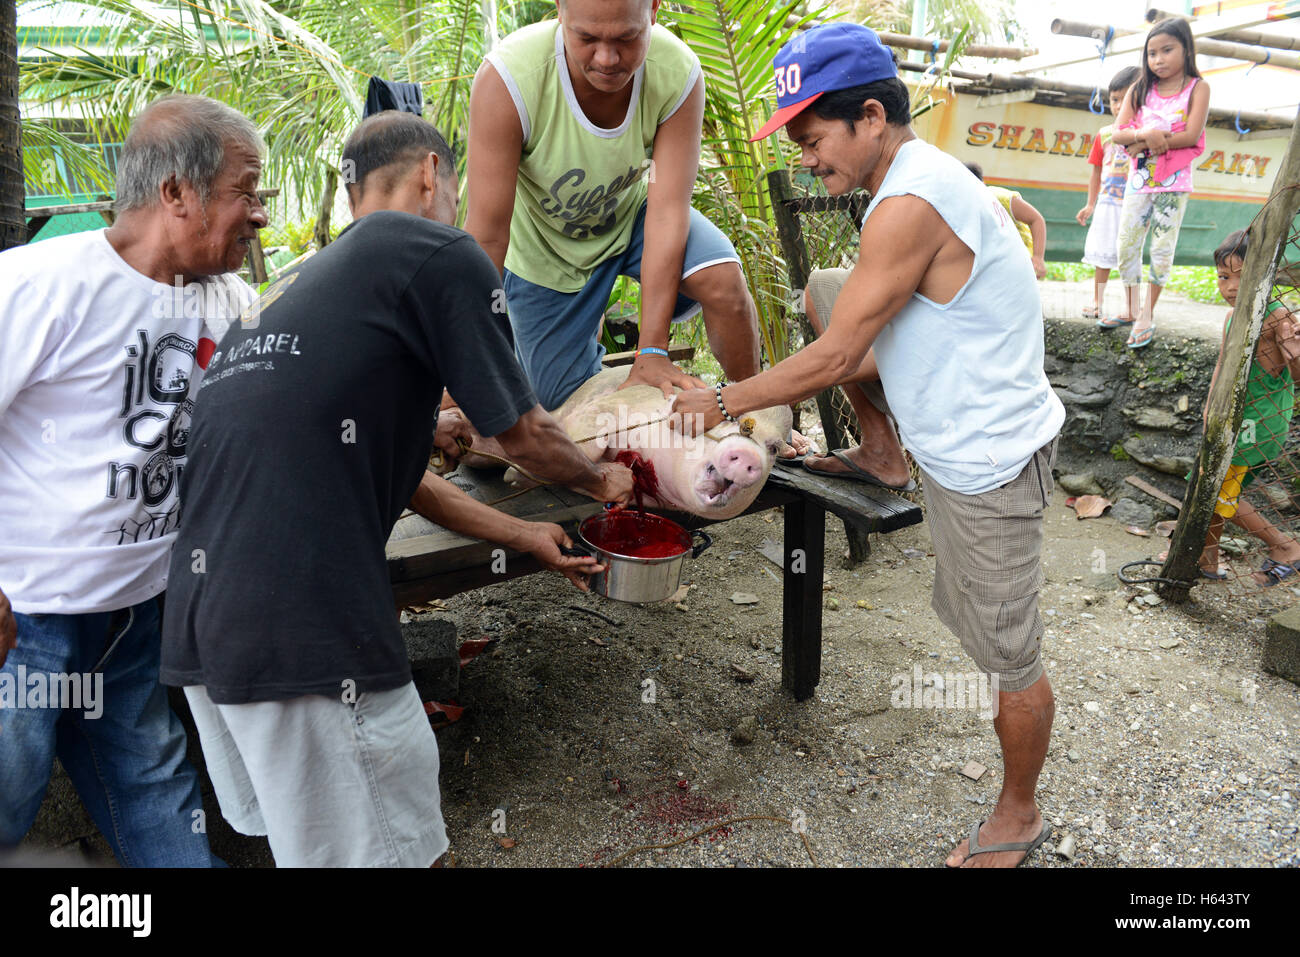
[[740, 464]]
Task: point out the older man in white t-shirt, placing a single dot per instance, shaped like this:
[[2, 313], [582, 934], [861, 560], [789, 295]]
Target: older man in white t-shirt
[[942, 310], [105, 335]]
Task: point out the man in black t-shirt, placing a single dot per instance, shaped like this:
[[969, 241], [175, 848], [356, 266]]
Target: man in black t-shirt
[[310, 436]]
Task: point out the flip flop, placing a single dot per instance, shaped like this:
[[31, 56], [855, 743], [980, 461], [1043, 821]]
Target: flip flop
[[1091, 312], [1142, 339], [792, 461], [1214, 576], [1113, 322], [973, 845], [858, 474], [1276, 571]]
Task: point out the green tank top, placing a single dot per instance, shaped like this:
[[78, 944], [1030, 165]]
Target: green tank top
[[1270, 403], [581, 186]]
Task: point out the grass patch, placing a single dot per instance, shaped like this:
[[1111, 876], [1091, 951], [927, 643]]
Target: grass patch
[[1197, 283]]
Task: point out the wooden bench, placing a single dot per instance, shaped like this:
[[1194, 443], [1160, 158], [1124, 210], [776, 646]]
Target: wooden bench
[[443, 563]]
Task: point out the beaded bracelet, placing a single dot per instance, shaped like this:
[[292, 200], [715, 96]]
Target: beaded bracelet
[[717, 392], [652, 350]]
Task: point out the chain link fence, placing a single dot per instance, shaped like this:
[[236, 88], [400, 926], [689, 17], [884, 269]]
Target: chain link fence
[[1238, 534], [820, 232]]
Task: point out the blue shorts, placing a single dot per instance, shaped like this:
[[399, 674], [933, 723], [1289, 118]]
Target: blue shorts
[[555, 332]]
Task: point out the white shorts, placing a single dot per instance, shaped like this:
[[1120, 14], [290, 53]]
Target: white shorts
[[330, 784], [1101, 245]]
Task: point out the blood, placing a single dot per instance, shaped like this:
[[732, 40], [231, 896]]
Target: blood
[[644, 481], [638, 535]]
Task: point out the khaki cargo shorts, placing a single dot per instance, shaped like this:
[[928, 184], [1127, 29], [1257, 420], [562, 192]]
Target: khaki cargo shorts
[[988, 569]]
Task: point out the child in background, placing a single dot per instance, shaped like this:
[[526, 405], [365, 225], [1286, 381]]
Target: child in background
[[1162, 125], [1265, 421], [1029, 221], [1110, 168]]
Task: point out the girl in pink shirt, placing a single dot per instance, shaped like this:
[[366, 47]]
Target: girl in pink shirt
[[1162, 125]]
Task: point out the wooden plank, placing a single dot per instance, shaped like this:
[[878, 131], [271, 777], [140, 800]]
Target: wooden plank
[[868, 508], [106, 205], [447, 584], [675, 353], [1153, 491], [801, 598]]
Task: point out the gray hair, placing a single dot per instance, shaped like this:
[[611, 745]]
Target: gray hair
[[180, 136]]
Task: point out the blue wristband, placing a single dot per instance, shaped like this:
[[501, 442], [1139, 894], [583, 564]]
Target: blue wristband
[[652, 350]]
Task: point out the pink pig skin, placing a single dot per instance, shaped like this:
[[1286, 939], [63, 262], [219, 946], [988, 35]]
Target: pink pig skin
[[716, 476]]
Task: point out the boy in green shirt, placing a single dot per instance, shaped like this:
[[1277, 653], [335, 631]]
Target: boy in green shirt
[[1265, 421]]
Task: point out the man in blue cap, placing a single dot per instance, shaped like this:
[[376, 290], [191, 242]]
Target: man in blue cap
[[941, 314]]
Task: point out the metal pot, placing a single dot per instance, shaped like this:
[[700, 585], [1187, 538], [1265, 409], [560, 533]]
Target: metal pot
[[631, 578]]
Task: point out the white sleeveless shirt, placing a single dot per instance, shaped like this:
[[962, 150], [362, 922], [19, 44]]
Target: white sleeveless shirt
[[965, 379]]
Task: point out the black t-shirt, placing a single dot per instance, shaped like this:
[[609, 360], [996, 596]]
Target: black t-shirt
[[311, 432]]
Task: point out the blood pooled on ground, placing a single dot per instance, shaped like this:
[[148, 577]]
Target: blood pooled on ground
[[663, 814]]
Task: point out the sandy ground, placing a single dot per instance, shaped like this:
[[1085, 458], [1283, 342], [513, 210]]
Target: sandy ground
[[1170, 746]]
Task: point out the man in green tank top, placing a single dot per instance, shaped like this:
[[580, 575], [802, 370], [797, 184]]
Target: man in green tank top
[[584, 141]]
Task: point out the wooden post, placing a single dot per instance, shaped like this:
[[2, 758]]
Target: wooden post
[[1268, 237], [797, 265], [13, 227], [321, 233], [801, 598], [107, 215], [257, 260]]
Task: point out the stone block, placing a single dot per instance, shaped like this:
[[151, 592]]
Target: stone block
[[1282, 646]]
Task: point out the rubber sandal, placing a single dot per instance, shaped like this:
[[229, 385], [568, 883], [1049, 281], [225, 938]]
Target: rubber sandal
[[858, 474], [1277, 572], [1142, 339], [973, 845], [1091, 312], [1214, 576], [793, 461], [1113, 322]]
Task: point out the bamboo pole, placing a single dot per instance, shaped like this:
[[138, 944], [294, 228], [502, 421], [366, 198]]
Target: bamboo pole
[[975, 49], [1002, 82], [1268, 236], [1209, 47], [1075, 28], [1274, 41]]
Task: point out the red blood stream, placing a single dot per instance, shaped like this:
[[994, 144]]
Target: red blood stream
[[638, 535], [644, 480]]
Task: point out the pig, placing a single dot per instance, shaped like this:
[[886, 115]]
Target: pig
[[715, 476]]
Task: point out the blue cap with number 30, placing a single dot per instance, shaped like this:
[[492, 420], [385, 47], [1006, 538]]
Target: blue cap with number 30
[[833, 56]]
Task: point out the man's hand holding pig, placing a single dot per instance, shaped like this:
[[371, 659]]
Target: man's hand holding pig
[[695, 412], [660, 372]]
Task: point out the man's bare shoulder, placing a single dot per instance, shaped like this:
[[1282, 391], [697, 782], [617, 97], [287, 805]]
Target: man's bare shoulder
[[919, 239]]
